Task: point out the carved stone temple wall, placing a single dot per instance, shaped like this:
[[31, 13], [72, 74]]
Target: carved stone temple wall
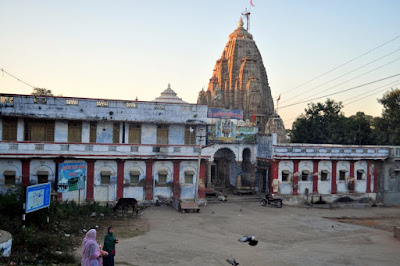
[[239, 80]]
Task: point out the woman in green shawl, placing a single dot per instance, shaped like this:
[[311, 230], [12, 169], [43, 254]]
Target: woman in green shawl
[[109, 246]]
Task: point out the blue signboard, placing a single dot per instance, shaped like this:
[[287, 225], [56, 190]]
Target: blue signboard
[[71, 176], [37, 197], [225, 113]]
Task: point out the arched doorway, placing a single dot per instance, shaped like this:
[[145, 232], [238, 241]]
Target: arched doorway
[[224, 169]]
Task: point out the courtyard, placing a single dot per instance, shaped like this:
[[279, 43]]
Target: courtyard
[[287, 236]]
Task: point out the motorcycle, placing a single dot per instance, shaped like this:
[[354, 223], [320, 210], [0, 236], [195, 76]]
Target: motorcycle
[[272, 200]]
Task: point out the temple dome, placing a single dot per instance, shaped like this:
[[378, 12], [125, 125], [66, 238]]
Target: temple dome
[[169, 96], [276, 125], [239, 79]]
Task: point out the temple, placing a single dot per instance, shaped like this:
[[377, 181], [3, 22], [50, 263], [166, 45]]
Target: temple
[[239, 80]]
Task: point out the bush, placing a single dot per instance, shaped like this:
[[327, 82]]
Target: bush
[[44, 243]]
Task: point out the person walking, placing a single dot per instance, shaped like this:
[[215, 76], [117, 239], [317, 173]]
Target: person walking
[[91, 251], [109, 246]]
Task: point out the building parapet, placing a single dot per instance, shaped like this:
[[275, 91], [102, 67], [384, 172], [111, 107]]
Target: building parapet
[[332, 152], [93, 150], [49, 107]]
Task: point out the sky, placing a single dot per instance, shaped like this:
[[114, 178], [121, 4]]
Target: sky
[[311, 49]]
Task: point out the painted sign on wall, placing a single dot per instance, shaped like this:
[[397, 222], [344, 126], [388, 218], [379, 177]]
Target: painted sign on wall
[[37, 197], [71, 176], [225, 113]]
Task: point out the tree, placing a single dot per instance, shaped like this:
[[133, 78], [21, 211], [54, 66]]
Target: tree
[[42, 92], [321, 123], [387, 127], [359, 129]]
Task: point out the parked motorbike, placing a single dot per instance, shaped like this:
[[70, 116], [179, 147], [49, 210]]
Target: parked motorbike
[[272, 200]]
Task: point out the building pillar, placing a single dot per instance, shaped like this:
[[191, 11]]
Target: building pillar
[[25, 171], [369, 176], [209, 163], [295, 177], [90, 180], [351, 178], [202, 189], [376, 177], [315, 177], [120, 178], [149, 180], [57, 162], [176, 187], [333, 184], [274, 180]]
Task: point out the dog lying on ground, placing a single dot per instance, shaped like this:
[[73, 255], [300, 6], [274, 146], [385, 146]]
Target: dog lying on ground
[[127, 202]]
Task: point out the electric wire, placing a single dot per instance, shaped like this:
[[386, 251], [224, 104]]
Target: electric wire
[[345, 74], [20, 80], [344, 64], [352, 88]]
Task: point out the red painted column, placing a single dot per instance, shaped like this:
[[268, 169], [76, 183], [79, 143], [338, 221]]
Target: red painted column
[[176, 188], [58, 161], [202, 188], [120, 178], [369, 176], [25, 171], [375, 177], [295, 177], [352, 179], [315, 177], [274, 175], [333, 184], [90, 180], [149, 180]]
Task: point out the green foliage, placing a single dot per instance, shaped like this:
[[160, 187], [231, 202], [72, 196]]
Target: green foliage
[[42, 243], [387, 128], [325, 123], [41, 92], [321, 123]]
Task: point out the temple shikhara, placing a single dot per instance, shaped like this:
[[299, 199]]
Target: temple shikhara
[[239, 80]]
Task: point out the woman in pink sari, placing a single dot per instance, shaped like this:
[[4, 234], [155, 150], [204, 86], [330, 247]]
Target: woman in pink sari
[[91, 251]]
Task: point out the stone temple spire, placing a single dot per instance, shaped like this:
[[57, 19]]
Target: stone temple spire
[[239, 79]]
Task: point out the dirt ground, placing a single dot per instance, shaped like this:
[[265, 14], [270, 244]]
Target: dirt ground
[[287, 236]]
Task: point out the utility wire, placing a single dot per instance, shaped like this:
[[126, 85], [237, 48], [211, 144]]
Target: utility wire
[[362, 85], [371, 94], [345, 74], [20, 80], [391, 84], [355, 77], [344, 64], [386, 85]]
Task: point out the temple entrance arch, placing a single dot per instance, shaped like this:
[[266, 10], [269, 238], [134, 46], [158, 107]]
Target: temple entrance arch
[[224, 169]]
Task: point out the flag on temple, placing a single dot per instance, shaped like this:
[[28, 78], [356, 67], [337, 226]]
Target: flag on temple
[[251, 3]]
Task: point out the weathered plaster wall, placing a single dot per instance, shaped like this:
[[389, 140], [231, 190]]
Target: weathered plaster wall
[[85, 132], [303, 185], [165, 190], [264, 147], [285, 188], [105, 192], [105, 132], [42, 165], [20, 129], [187, 190], [10, 165], [342, 185], [134, 191], [360, 185], [324, 187], [61, 131]]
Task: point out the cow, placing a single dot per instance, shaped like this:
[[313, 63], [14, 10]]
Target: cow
[[127, 202]]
